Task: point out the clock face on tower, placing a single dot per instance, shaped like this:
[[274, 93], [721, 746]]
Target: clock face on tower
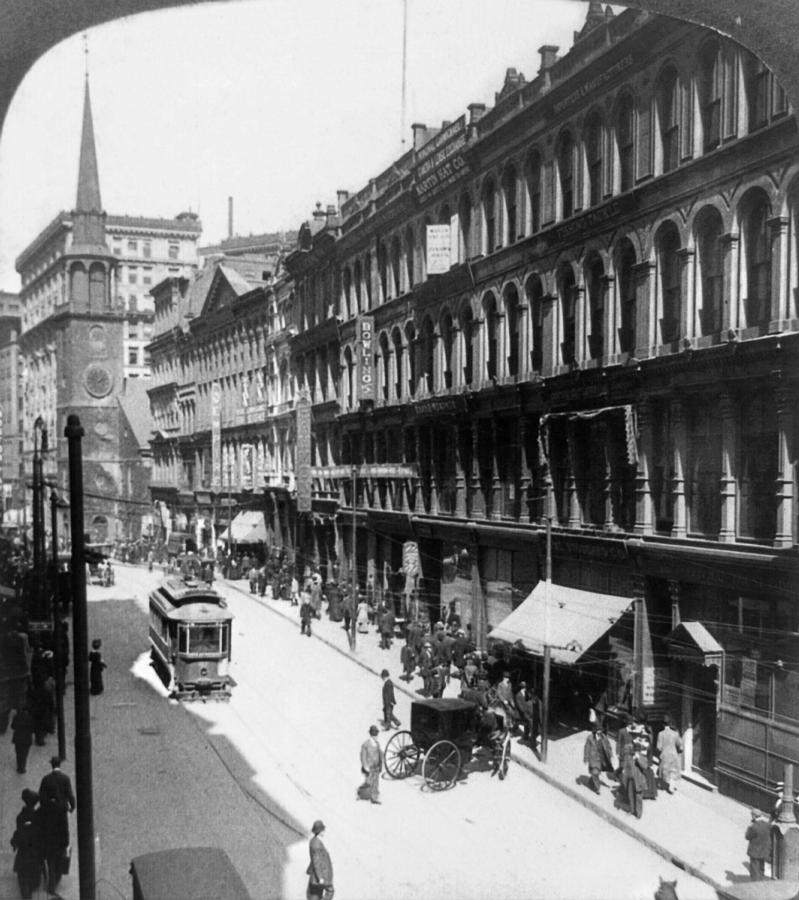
[[97, 380]]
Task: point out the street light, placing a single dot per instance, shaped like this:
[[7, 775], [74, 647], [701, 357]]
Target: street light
[[58, 629], [39, 448]]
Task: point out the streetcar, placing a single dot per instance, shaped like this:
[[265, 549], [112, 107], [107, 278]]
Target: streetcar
[[190, 635]]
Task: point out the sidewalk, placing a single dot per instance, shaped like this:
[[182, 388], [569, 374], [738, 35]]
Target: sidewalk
[[700, 831]]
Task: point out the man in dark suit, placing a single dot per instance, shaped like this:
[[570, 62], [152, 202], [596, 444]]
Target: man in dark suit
[[56, 800], [759, 849], [22, 726], [389, 702]]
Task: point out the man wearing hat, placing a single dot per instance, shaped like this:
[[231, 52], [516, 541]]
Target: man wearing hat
[[426, 663], [320, 868], [371, 764], [389, 702], [759, 847], [57, 800]]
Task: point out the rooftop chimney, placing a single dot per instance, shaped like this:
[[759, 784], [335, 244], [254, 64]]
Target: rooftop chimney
[[342, 197], [419, 135], [318, 213], [476, 112], [549, 56], [230, 217]]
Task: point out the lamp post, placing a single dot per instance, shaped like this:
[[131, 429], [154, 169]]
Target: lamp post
[[39, 448], [353, 563], [58, 633], [547, 648]]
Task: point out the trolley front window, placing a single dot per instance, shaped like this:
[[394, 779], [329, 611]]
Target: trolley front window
[[208, 638]]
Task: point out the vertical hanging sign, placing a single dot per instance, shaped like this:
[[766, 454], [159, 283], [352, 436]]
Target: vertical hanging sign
[[366, 384], [216, 436], [303, 454], [439, 250], [246, 466]]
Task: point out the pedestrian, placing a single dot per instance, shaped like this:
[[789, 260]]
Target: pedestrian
[[669, 747], [43, 709], [759, 848], [426, 667], [437, 682], [27, 844], [96, 666], [316, 594], [150, 559], [633, 776], [57, 801], [524, 705], [505, 696], [408, 660], [389, 702], [262, 580], [253, 578], [306, 614], [362, 616], [371, 764], [22, 728], [596, 755], [320, 868], [386, 624]]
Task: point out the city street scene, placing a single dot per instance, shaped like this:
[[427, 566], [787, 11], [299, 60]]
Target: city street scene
[[434, 536]]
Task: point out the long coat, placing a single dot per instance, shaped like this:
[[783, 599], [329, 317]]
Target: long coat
[[56, 799], [596, 753], [320, 868], [669, 748], [22, 726], [759, 836]]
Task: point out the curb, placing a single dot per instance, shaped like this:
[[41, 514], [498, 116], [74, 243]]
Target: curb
[[584, 801]]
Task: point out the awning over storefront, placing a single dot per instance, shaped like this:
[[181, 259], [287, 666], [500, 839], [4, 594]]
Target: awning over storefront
[[577, 620], [693, 642], [248, 528]]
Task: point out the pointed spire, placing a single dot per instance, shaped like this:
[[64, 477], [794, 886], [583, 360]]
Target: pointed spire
[[88, 179]]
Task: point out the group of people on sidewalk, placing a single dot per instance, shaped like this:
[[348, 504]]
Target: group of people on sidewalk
[[636, 777], [41, 837]]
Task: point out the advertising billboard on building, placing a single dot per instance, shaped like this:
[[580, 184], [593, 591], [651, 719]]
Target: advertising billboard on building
[[303, 454], [441, 162], [247, 454], [366, 383], [439, 249]]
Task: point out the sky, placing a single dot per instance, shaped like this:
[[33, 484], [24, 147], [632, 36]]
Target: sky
[[276, 103]]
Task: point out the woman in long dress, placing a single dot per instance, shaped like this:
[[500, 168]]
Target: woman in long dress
[[669, 748], [96, 666]]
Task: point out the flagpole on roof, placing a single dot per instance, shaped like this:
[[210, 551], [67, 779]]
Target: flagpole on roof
[[404, 70]]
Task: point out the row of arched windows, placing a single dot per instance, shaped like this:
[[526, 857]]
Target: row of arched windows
[[718, 94], [690, 285]]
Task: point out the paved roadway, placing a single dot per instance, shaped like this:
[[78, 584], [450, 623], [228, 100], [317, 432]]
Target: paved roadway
[[252, 774]]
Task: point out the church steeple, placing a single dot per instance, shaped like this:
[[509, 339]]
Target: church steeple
[[88, 230], [88, 180]]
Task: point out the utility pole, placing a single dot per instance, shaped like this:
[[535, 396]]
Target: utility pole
[[39, 447], [547, 648], [80, 651], [353, 562], [58, 630]]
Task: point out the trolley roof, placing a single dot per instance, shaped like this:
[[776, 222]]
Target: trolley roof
[[177, 591]]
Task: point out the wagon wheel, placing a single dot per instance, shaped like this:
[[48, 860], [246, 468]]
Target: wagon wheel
[[402, 755], [504, 759], [441, 765]]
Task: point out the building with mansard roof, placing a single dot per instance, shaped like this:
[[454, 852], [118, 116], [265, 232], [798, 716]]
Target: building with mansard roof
[[221, 406], [580, 306]]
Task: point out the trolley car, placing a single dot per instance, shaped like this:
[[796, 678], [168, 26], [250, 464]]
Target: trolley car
[[444, 735], [190, 632]]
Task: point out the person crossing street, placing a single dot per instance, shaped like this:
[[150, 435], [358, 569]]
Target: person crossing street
[[371, 765], [389, 702]]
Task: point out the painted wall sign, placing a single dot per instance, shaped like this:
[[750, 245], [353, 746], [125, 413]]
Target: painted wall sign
[[439, 249], [441, 161]]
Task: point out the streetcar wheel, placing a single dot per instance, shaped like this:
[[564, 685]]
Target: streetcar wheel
[[441, 766], [402, 755]]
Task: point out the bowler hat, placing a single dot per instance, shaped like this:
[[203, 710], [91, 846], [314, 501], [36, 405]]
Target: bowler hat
[[318, 826], [373, 729]]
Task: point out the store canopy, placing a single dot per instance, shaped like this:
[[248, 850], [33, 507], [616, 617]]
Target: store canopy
[[248, 528], [577, 620], [693, 642]]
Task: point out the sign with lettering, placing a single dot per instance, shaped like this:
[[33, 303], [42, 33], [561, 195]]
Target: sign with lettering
[[247, 452], [366, 381], [303, 454], [216, 436], [439, 249], [441, 162]]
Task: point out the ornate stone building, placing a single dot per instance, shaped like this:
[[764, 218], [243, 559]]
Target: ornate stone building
[[11, 500], [580, 305]]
